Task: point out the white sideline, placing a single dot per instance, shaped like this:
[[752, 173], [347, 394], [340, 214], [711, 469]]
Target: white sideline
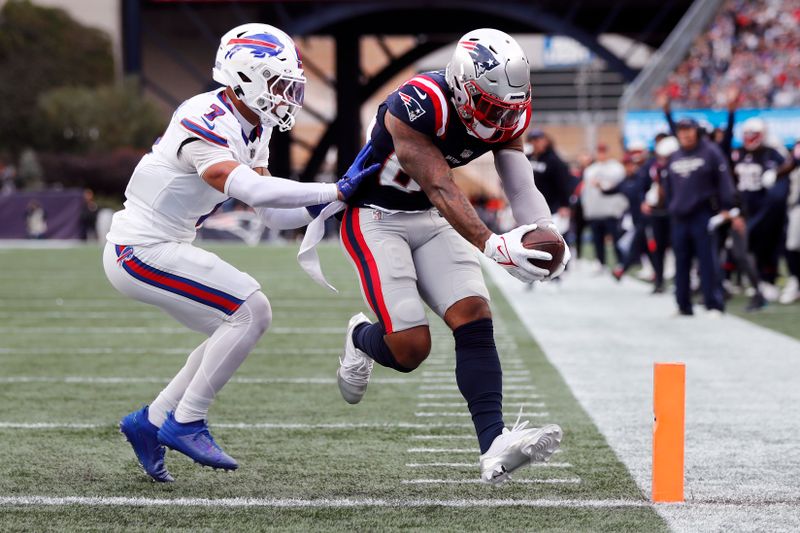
[[741, 392], [113, 501], [62, 330]]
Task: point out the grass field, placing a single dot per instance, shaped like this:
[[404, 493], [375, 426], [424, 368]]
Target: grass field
[[75, 356]]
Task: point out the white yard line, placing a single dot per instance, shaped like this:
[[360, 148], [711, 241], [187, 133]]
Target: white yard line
[[445, 414], [741, 391], [105, 380], [463, 404], [475, 465], [333, 503], [82, 330], [471, 481], [134, 350]]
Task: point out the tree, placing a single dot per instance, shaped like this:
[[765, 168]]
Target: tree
[[94, 120], [41, 49]]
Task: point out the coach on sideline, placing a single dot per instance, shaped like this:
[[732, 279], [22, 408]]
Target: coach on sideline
[[699, 185]]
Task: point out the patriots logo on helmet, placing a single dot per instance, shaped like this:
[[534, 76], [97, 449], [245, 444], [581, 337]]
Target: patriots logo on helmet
[[260, 45], [482, 57], [413, 107]]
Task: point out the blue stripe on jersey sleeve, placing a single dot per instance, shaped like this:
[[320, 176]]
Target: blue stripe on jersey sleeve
[[204, 133]]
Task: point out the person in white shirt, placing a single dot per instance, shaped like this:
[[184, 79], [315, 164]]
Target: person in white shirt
[[216, 147], [602, 211]]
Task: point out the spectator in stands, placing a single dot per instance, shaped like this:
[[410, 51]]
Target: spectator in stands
[[552, 176], [603, 212], [699, 184], [751, 44], [8, 176]]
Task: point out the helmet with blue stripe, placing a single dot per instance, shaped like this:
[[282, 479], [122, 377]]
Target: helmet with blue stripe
[[263, 67]]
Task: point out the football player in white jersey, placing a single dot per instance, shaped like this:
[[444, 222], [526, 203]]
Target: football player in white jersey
[[215, 147]]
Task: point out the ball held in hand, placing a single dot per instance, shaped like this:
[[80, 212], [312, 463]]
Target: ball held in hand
[[546, 240]]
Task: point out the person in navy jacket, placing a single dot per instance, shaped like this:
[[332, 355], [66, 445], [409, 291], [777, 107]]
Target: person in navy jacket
[[699, 185]]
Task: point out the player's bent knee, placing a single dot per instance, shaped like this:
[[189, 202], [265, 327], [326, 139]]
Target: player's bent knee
[[258, 312], [410, 347], [467, 310]]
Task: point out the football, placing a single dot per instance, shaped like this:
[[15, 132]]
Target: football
[[546, 240]]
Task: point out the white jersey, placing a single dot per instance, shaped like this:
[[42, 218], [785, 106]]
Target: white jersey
[[166, 199]]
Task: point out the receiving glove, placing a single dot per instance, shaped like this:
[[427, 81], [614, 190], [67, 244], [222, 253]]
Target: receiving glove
[[348, 184], [507, 251]]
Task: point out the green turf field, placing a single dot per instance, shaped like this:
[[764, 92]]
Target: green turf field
[[75, 357]]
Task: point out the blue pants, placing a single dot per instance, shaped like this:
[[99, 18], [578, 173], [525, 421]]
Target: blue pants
[[601, 228], [690, 238]]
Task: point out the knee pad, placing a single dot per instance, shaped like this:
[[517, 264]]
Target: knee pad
[[255, 311]]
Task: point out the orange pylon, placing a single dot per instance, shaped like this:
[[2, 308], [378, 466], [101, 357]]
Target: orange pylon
[[669, 401]]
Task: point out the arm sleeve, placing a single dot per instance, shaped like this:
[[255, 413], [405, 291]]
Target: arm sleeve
[[727, 139], [284, 218], [527, 203], [725, 188], [255, 190], [670, 122]]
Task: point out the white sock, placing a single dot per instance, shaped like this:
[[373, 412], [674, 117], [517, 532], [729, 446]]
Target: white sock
[[168, 398], [226, 350]]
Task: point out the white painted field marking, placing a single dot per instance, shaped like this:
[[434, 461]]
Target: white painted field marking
[[512, 396], [455, 388], [244, 426], [473, 465], [566, 481], [335, 503], [463, 404], [104, 380], [440, 437], [467, 413], [443, 450], [157, 351], [450, 374], [511, 379], [63, 330]]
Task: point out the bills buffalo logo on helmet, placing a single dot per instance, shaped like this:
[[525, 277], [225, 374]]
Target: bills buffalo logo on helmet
[[260, 45], [482, 57], [413, 107]]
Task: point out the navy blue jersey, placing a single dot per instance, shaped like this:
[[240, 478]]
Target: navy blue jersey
[[749, 166], [699, 179], [423, 103]]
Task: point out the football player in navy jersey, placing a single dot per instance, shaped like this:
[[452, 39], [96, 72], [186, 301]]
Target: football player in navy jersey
[[408, 231]]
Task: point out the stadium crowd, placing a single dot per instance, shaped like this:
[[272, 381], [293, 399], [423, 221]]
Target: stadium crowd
[[752, 44], [735, 213]]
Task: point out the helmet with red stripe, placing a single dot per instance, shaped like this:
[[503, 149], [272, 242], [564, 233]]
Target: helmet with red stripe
[[263, 67], [490, 79]]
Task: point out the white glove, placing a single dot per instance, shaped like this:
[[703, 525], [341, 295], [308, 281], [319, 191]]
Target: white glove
[[567, 255], [507, 251]]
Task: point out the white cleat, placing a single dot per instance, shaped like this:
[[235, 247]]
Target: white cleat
[[355, 367], [518, 447], [791, 291]]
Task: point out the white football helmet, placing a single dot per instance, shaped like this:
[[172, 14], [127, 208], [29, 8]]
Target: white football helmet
[[490, 79], [754, 131], [263, 67]]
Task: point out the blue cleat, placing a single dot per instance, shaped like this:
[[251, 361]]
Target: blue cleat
[[143, 437], [193, 440]]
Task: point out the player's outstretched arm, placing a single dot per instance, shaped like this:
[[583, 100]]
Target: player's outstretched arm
[[516, 174], [243, 183], [423, 162]]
